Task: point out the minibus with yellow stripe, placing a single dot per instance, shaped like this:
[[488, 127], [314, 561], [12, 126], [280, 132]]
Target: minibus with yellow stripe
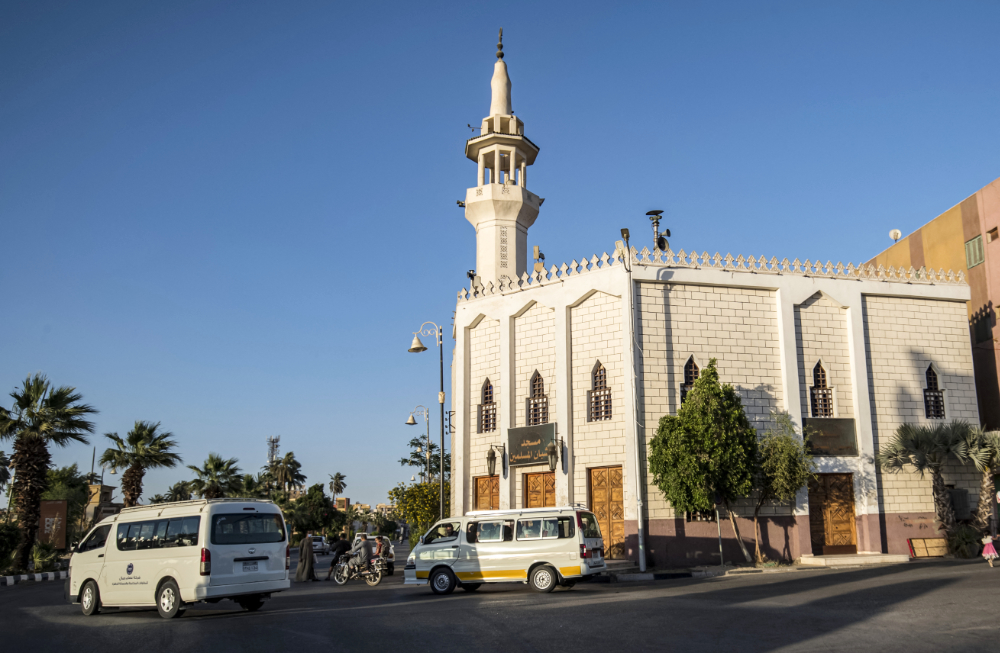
[[543, 547]]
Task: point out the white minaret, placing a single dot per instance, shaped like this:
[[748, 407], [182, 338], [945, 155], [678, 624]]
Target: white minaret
[[500, 206]]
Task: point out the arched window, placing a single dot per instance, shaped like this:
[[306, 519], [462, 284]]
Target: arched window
[[538, 403], [821, 395], [600, 395], [691, 373], [933, 396], [487, 409]]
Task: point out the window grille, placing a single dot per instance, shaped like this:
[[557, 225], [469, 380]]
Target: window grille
[[822, 396], [933, 396], [538, 403], [691, 373], [700, 515], [487, 410], [600, 395]]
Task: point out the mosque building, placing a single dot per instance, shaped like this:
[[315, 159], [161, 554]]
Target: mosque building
[[560, 375]]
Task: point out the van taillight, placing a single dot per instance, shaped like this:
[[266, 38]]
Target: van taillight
[[288, 557], [206, 562], [584, 551]]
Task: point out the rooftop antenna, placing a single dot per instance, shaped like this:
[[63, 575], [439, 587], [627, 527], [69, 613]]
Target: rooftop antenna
[[272, 448], [659, 240], [895, 234]]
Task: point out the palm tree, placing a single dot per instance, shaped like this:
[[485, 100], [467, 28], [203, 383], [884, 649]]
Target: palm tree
[[926, 449], [984, 453], [179, 492], [286, 472], [337, 485], [144, 447], [41, 414], [254, 487], [217, 478], [158, 498], [4, 471], [351, 515]]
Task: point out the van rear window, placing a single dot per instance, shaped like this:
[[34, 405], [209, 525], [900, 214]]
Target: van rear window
[[247, 529], [590, 526]]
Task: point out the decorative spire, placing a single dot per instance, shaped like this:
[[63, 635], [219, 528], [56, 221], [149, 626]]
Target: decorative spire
[[500, 104]]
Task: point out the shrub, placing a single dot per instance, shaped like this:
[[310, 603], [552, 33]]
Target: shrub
[[964, 542]]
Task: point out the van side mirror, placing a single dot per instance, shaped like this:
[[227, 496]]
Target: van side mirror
[[421, 539], [73, 547]]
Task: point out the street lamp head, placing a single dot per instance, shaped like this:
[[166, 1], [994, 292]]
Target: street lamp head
[[410, 420], [553, 453], [491, 462], [625, 235], [416, 346]]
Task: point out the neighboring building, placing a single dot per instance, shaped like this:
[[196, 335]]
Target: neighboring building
[[551, 354], [342, 503], [100, 503], [965, 237], [385, 509]]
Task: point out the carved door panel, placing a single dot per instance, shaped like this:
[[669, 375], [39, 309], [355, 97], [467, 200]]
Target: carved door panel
[[540, 490], [488, 493], [832, 527], [607, 502]]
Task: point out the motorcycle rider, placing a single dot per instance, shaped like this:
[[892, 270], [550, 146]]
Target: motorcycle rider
[[361, 553], [339, 548]]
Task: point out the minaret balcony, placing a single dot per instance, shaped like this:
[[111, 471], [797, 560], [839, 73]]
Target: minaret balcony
[[485, 142], [503, 202]]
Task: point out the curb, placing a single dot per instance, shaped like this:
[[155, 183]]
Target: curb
[[21, 578]]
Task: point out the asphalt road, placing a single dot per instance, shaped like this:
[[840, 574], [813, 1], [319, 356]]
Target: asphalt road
[[933, 606]]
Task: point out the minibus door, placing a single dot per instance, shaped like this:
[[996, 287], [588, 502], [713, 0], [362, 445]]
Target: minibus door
[[88, 561], [440, 545]]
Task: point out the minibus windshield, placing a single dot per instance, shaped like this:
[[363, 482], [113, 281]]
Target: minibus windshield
[[247, 529]]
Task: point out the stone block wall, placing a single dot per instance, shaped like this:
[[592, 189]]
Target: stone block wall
[[484, 363], [534, 349], [821, 335], [596, 335]]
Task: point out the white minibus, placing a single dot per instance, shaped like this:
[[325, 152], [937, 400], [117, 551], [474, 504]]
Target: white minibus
[[543, 547], [173, 554]]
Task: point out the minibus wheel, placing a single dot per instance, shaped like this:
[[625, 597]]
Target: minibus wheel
[[471, 587], [251, 603], [544, 579], [442, 581], [168, 600], [90, 599]]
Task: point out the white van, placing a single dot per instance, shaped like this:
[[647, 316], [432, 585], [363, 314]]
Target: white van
[[544, 547], [172, 554]]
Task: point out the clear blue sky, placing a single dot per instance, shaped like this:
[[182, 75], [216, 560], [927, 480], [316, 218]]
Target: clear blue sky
[[229, 217]]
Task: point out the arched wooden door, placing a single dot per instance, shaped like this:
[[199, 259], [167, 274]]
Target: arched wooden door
[[607, 502], [832, 527], [487, 493]]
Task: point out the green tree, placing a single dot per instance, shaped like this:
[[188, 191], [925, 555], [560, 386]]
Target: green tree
[[784, 465], [418, 505], [41, 415], [707, 451], [926, 450], [217, 478], [255, 487], [144, 447], [69, 485], [983, 451], [157, 498], [418, 458], [314, 511], [180, 491], [287, 472], [338, 483], [4, 472]]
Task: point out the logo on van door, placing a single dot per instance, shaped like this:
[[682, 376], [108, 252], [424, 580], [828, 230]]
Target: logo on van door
[[128, 570], [251, 550]]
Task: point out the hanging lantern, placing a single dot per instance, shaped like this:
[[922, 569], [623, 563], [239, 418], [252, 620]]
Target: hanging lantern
[[553, 452], [491, 462]]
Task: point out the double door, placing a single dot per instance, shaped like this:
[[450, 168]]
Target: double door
[[540, 490], [607, 502], [832, 527], [488, 493]]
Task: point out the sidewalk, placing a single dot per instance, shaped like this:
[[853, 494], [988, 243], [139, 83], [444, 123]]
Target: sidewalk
[[21, 578]]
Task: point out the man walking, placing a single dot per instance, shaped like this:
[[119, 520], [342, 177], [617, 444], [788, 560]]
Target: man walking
[[305, 570]]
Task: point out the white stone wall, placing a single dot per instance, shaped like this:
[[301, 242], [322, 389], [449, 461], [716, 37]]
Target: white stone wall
[[596, 335], [902, 337], [484, 362], [821, 335], [534, 349], [738, 326]]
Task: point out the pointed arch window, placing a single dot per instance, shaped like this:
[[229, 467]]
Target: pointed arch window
[[821, 396], [600, 394], [933, 396], [691, 373], [538, 402], [487, 409]]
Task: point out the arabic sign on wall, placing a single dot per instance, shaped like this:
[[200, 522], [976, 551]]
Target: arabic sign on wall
[[52, 523], [526, 445]]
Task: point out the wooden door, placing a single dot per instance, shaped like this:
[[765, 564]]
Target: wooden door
[[540, 490], [607, 502], [488, 493], [832, 528]]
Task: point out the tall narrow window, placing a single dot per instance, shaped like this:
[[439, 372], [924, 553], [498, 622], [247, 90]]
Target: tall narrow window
[[538, 403], [691, 373], [487, 410], [600, 395], [933, 396], [822, 396]]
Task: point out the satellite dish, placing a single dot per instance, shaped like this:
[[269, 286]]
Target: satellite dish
[[895, 234]]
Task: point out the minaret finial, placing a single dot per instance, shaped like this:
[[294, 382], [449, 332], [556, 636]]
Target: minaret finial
[[500, 45]]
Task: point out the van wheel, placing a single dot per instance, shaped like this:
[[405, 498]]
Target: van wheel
[[168, 600], [251, 603], [471, 587], [442, 581], [544, 579], [90, 599]]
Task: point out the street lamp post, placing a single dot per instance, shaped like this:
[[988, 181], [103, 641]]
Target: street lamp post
[[421, 410], [431, 329]]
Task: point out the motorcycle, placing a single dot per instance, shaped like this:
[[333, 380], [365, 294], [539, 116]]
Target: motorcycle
[[371, 573]]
